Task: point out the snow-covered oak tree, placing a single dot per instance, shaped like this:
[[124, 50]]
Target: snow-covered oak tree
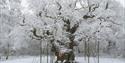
[[97, 20], [61, 25]]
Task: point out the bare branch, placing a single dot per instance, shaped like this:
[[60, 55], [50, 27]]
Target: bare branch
[[88, 15], [94, 7], [35, 34], [107, 5], [67, 24], [60, 7], [74, 28]]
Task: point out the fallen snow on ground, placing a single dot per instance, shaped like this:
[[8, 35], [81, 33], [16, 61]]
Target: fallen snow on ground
[[78, 59]]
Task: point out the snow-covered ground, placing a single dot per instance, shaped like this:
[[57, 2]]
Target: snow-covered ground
[[78, 59]]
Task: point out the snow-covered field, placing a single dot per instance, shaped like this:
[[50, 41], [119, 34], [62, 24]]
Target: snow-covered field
[[78, 59]]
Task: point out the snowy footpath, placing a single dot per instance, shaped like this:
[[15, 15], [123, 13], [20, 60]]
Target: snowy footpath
[[78, 59]]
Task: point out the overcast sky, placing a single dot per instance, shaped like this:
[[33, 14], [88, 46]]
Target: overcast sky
[[122, 2]]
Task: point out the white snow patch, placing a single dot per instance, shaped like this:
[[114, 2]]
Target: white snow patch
[[80, 4], [25, 6], [24, 3], [78, 59]]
